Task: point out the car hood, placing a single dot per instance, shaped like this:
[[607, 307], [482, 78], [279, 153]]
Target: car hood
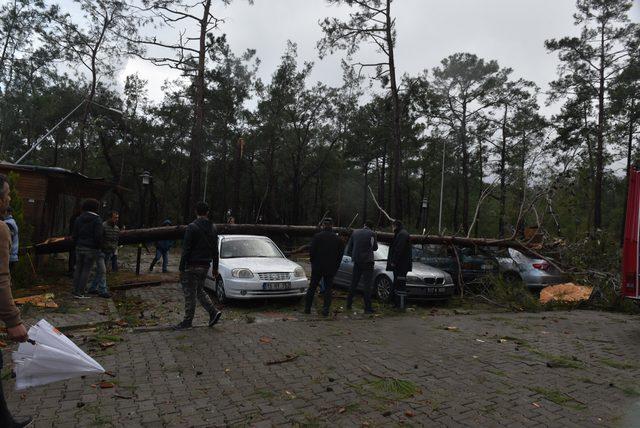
[[419, 269], [260, 264]]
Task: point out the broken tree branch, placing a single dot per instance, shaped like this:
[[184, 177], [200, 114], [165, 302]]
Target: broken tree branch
[[375, 201]]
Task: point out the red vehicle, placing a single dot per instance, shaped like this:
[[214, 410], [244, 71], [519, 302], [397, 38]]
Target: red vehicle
[[630, 249]]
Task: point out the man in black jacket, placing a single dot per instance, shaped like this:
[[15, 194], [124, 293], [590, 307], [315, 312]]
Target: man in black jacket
[[325, 254], [199, 251], [87, 238], [361, 248], [399, 261]]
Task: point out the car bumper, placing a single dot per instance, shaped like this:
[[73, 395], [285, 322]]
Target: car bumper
[[253, 289], [540, 281], [430, 292]]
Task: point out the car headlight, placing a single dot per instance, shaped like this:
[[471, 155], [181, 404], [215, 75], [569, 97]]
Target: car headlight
[[412, 279], [241, 273], [299, 273]]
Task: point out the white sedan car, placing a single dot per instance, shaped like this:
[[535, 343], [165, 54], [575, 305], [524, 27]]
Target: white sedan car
[[253, 267]]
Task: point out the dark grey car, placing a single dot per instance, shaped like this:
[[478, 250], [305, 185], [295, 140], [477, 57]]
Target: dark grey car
[[423, 282]]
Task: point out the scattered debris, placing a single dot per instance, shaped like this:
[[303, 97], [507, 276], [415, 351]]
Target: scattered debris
[[265, 339], [342, 409], [105, 345], [568, 292], [39, 300], [124, 397], [387, 413], [409, 413], [452, 328], [106, 385], [287, 359]]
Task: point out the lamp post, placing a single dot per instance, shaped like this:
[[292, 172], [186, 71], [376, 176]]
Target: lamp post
[[145, 179], [423, 220]]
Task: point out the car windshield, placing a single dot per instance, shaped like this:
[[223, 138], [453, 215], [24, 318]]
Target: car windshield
[[237, 248], [381, 254]]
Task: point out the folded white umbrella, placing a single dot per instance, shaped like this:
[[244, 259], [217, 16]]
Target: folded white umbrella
[[50, 356]]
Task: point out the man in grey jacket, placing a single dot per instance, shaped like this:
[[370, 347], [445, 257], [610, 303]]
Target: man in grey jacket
[[361, 247]]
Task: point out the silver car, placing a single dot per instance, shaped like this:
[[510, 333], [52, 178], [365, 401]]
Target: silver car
[[534, 273], [423, 282]]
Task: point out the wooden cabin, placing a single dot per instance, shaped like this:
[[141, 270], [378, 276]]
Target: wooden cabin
[[50, 194]]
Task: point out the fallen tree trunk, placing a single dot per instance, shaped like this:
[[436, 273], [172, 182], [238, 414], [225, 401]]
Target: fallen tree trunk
[[135, 236]]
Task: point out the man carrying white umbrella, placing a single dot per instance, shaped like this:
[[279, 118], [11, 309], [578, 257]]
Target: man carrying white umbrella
[[9, 313]]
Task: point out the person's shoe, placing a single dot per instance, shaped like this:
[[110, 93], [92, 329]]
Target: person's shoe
[[165, 271], [79, 296], [307, 311], [22, 423], [92, 292], [325, 314], [184, 325], [106, 295], [214, 318], [370, 312]]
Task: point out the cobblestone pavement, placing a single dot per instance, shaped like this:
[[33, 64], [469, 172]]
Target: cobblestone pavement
[[576, 368]]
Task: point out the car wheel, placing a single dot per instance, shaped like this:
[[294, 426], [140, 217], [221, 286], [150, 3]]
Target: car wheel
[[221, 296], [383, 288]]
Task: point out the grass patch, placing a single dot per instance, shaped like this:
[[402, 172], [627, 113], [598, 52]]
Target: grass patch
[[564, 362], [630, 391], [265, 393], [558, 397], [393, 388], [622, 365], [498, 372]]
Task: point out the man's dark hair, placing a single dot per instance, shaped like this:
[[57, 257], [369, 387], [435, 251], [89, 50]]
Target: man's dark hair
[[9, 211], [369, 224], [91, 205], [397, 223], [3, 179], [202, 208], [327, 222], [112, 212]]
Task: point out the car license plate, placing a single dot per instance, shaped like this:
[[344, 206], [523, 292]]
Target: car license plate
[[276, 285], [435, 290]]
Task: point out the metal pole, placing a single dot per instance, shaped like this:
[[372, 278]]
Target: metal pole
[[41, 139], [441, 189]]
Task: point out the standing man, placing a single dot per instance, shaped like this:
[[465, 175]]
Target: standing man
[[110, 233], [199, 251], [9, 313], [15, 237], [399, 261], [162, 251], [110, 244], [325, 255], [87, 237], [361, 247]]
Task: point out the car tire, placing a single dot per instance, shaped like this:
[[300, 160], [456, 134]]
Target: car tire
[[383, 287], [221, 296]]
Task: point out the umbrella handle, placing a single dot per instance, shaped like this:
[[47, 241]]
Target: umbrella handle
[[31, 341]]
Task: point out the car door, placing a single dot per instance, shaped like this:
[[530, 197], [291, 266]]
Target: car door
[[345, 272]]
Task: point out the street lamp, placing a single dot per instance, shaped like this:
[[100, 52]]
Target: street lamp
[[145, 179], [425, 204]]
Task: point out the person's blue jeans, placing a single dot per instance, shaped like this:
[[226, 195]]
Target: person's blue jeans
[[85, 259], [99, 283], [161, 252]]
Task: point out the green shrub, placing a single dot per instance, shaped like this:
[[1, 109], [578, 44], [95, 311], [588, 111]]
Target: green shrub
[[22, 274]]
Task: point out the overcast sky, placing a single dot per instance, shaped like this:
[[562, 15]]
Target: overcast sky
[[511, 31]]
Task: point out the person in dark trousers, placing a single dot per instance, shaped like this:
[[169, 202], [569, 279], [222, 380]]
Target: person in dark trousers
[[399, 261], [361, 247], [162, 251], [87, 237], [325, 255], [111, 236], [9, 313], [15, 237], [199, 251]]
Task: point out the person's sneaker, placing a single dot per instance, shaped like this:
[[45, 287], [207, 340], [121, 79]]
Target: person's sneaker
[[22, 423], [92, 292], [182, 326], [214, 318], [79, 296], [106, 295]]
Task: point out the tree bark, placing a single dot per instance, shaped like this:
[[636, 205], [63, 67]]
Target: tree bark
[[597, 194], [197, 133], [503, 178], [397, 149]]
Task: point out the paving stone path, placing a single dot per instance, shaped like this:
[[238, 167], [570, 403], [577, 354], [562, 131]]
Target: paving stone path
[[576, 368]]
